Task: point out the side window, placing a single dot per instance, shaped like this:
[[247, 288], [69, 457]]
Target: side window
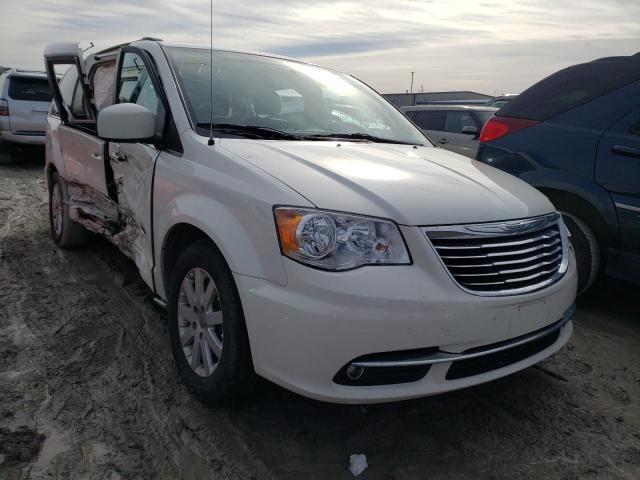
[[135, 83], [77, 102], [456, 121], [136, 86], [428, 120], [68, 85], [73, 97]]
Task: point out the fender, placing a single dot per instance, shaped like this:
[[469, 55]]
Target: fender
[[249, 245], [228, 199], [578, 186]]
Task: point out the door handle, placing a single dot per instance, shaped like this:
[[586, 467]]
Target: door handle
[[119, 157], [443, 141], [626, 151], [96, 156]]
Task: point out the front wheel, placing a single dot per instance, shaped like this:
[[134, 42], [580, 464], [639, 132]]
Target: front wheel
[[586, 248], [209, 338]]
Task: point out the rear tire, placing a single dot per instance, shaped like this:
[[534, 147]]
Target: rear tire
[[586, 248], [209, 337], [65, 232]]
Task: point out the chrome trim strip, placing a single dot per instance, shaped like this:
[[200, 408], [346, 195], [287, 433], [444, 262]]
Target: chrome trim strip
[[557, 251], [494, 229], [628, 207], [509, 253], [507, 272], [443, 357], [545, 236]]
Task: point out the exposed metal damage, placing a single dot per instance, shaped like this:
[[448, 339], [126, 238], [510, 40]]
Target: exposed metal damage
[[101, 215]]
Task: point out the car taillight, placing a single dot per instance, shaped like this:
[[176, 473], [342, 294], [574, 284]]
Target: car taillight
[[498, 127], [4, 108]]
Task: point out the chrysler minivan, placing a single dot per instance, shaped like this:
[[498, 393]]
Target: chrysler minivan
[[298, 227]]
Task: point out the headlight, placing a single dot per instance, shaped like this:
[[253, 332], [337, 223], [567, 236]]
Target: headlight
[[338, 241]]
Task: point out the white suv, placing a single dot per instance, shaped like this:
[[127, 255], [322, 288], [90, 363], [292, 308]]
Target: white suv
[[317, 239], [24, 102]]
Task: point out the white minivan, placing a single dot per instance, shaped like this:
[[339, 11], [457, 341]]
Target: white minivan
[[300, 228]]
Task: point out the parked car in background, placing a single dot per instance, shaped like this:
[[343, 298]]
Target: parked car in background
[[453, 127], [501, 100], [302, 229], [24, 102], [576, 137]]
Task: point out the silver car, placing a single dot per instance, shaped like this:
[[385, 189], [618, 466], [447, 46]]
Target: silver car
[[24, 102], [453, 127]]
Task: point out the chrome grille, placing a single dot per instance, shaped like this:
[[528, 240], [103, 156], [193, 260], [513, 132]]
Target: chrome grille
[[503, 258]]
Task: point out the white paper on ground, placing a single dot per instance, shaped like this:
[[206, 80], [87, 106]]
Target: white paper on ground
[[357, 463]]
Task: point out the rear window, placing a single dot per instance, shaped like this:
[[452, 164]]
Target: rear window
[[572, 87], [31, 89], [484, 116]]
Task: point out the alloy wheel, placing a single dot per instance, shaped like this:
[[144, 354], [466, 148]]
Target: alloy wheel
[[200, 322]]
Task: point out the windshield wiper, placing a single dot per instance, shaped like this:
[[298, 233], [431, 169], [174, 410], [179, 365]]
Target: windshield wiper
[[358, 136], [251, 130]]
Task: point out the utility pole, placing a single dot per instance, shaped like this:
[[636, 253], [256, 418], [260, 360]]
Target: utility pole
[[411, 89]]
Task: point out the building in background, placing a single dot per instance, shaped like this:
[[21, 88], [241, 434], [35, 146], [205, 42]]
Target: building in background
[[437, 98]]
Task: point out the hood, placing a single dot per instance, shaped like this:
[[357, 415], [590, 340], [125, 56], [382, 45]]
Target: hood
[[413, 186]]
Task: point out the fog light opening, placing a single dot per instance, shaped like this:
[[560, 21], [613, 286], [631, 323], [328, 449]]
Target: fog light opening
[[354, 372]]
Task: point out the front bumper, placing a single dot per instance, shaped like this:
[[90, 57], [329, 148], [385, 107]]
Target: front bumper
[[304, 333]]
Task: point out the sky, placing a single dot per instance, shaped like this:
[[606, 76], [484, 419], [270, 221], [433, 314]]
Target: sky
[[487, 46]]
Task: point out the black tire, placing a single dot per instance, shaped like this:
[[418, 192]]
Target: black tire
[[233, 376], [586, 248], [70, 234]]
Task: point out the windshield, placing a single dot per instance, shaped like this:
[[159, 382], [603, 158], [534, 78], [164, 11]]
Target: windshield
[[283, 95]]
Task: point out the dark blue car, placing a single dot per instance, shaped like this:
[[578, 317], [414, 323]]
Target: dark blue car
[[576, 137]]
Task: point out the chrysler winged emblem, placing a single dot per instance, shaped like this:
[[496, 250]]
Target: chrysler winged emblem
[[512, 227]]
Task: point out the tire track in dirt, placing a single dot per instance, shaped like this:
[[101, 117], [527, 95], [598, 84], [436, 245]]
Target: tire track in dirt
[[86, 379]]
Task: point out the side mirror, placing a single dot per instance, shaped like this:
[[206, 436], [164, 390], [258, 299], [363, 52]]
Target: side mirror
[[127, 122], [469, 130]]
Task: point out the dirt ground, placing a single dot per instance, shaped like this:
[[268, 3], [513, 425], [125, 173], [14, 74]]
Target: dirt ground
[[88, 388]]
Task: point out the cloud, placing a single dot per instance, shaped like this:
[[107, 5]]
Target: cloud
[[492, 46]]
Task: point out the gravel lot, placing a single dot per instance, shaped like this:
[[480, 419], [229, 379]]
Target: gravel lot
[[88, 388]]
